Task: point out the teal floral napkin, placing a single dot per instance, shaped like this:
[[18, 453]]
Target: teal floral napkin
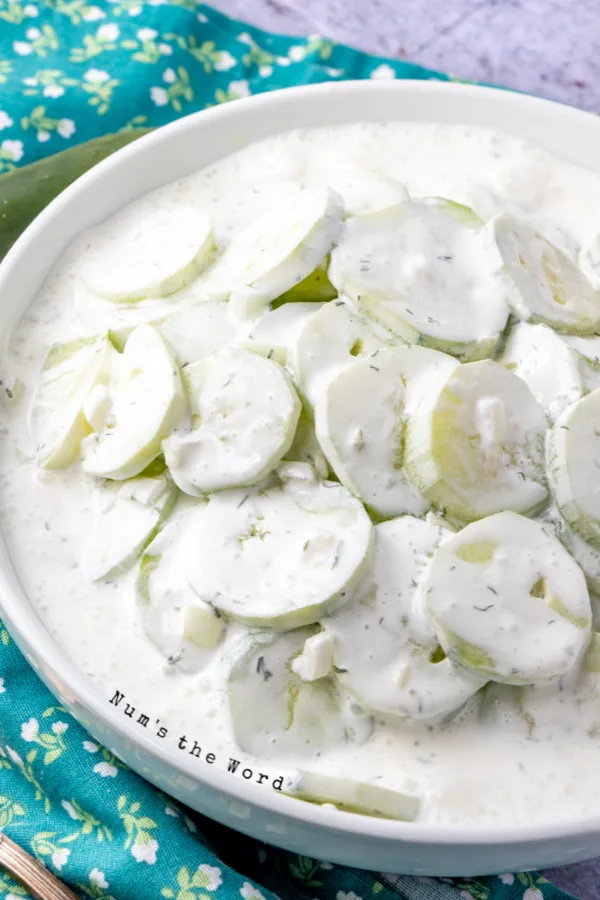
[[71, 70]]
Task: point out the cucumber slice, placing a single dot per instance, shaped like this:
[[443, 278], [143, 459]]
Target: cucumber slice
[[551, 290], [197, 331], [244, 414], [426, 270], [329, 339], [507, 601], [127, 516], [382, 654], [278, 250], [585, 555], [57, 420], [276, 332], [361, 420], [150, 257], [573, 463], [148, 401], [366, 191], [175, 620], [476, 446], [352, 796], [315, 288], [547, 365], [280, 557], [306, 448], [588, 354], [275, 713], [99, 316]]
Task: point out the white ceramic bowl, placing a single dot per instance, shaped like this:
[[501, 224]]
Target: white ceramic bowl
[[175, 151]]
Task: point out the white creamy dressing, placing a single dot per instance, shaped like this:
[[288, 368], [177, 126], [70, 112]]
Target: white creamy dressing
[[506, 757]]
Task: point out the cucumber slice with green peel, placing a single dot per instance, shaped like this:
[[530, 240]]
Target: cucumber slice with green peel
[[475, 446], [276, 332], [152, 257], [175, 620], [280, 557], [306, 448], [384, 654], [127, 516], [57, 420], [588, 354], [194, 332], [573, 464], [366, 191], [585, 555], [315, 288], [244, 412], [426, 270], [547, 365], [507, 601], [147, 402], [329, 339], [352, 796], [361, 421], [274, 712], [278, 251], [551, 289]]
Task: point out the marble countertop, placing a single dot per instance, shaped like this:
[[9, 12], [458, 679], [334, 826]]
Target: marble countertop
[[545, 47]]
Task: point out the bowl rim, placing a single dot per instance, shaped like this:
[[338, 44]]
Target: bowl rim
[[35, 640]]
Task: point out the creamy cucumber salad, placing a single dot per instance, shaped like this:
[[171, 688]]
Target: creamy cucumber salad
[[301, 456]]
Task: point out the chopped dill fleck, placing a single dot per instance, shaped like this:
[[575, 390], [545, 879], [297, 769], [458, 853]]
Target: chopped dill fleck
[[339, 671], [493, 590], [171, 660], [375, 369], [270, 353], [262, 669], [483, 608], [242, 501], [336, 558]]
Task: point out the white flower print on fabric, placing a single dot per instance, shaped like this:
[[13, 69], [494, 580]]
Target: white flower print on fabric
[[159, 96], [169, 76], [2, 688], [31, 11], [225, 62], [66, 127], [30, 82], [90, 747], [212, 875], [105, 770], [265, 71], [32, 33], [191, 826], [69, 808], [508, 878], [93, 14], [97, 878], [147, 34], [165, 49], [169, 811], [109, 32], [96, 76], [383, 71], [350, 895], [533, 893], [29, 729], [239, 88], [59, 727], [135, 10], [145, 852], [59, 857], [43, 136], [297, 53], [249, 892], [53, 91], [22, 48]]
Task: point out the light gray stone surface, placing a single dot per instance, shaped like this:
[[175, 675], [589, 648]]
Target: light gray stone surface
[[545, 47]]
